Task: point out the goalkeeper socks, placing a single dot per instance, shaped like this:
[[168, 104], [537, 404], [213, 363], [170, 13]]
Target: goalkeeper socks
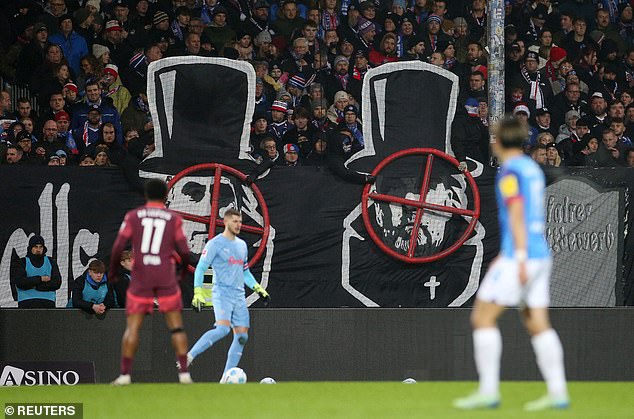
[[235, 351], [487, 347], [209, 338], [126, 365], [550, 359]]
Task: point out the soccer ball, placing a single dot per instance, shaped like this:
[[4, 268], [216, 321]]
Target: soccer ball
[[409, 381], [267, 380], [234, 376]]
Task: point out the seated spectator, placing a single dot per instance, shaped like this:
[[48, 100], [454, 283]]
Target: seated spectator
[[73, 45], [50, 141], [94, 100], [291, 155], [101, 156], [91, 291], [301, 127], [352, 123], [88, 134], [13, 155], [111, 85], [317, 156], [629, 158], [552, 155], [279, 124], [35, 277], [86, 160], [335, 112], [386, 52], [123, 278], [538, 154]]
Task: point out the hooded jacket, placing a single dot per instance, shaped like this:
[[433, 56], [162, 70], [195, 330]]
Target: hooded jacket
[[37, 290]]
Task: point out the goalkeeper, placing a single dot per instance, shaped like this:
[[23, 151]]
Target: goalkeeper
[[227, 254]]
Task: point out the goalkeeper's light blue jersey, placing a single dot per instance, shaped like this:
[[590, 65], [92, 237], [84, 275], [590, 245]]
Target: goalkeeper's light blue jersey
[[228, 258]]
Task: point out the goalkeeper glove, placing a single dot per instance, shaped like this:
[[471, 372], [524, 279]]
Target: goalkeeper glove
[[198, 302], [262, 293]]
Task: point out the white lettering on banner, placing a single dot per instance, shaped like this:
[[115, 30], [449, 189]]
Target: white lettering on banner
[[55, 229], [13, 376], [569, 229]]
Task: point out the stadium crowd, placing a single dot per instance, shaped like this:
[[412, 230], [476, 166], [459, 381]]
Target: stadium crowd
[[569, 73]]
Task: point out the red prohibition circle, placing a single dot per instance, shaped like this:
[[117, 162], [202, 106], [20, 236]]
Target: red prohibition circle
[[213, 220], [420, 205]]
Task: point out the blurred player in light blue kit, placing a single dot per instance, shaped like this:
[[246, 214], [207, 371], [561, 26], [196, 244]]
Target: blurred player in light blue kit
[[227, 254], [520, 275]]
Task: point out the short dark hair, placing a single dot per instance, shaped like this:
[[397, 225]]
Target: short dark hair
[[231, 212], [511, 133], [97, 266], [155, 190]]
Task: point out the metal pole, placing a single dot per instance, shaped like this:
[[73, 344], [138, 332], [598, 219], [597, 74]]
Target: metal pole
[[496, 61]]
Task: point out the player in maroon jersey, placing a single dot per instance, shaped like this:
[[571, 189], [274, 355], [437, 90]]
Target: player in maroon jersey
[[156, 234]]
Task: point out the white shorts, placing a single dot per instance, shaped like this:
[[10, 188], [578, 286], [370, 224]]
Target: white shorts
[[501, 284]]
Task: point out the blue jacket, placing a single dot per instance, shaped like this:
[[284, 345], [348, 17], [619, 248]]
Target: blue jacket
[[108, 114], [74, 47]]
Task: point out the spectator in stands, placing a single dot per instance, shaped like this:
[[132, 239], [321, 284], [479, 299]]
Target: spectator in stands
[[289, 21], [335, 112], [279, 124], [291, 155], [51, 14], [6, 115], [50, 141], [94, 99], [86, 160], [88, 134], [469, 137], [123, 278], [73, 45], [83, 20], [629, 158], [598, 118], [53, 57], [366, 32], [13, 155], [219, 33], [35, 277], [567, 129], [24, 141], [552, 155], [120, 48], [301, 127], [70, 91], [137, 116], [24, 109], [386, 52], [113, 89], [101, 156], [91, 292], [91, 69], [352, 123], [538, 153]]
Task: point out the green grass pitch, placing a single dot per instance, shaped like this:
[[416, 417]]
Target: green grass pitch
[[327, 400]]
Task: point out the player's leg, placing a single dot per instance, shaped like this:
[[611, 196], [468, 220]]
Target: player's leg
[[241, 321], [499, 288], [174, 321], [240, 337], [545, 341], [129, 346], [222, 312]]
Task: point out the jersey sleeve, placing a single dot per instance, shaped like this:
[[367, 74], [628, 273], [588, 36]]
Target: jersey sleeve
[[206, 258], [510, 187]]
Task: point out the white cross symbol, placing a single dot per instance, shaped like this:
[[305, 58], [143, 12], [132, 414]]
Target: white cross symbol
[[432, 284]]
